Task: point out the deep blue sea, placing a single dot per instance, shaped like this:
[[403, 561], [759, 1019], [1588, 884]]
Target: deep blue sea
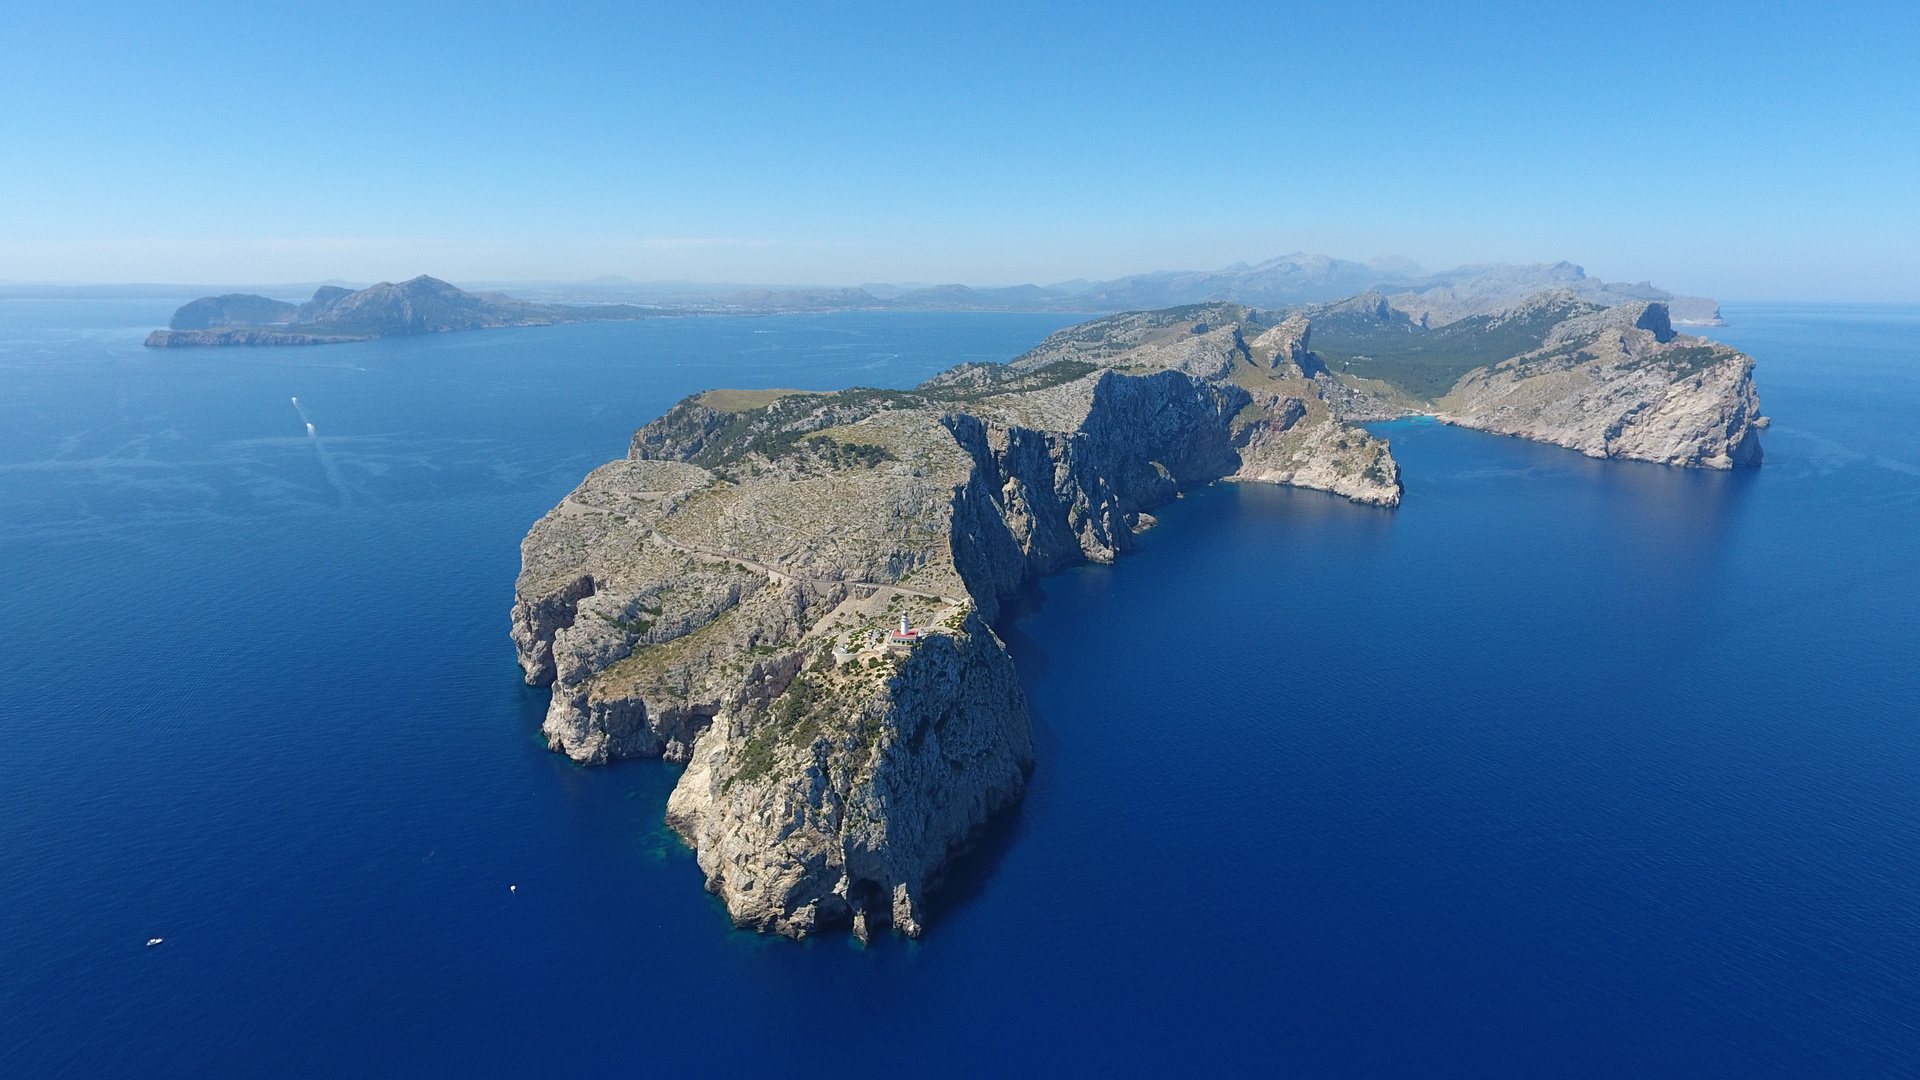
[[1564, 768]]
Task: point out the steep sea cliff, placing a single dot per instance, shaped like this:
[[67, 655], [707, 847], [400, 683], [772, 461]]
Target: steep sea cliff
[[721, 596], [1614, 382]]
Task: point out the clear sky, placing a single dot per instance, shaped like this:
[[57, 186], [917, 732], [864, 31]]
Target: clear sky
[[1744, 150]]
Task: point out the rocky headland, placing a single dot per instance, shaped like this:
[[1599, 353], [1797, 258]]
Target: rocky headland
[[422, 305], [729, 595], [1616, 382]]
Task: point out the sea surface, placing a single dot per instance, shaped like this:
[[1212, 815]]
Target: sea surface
[[1564, 768]]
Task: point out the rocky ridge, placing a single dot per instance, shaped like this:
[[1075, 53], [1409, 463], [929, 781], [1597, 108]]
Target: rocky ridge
[[1621, 383], [1615, 381], [726, 595]]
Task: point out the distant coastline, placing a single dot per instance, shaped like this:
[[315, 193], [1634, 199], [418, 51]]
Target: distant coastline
[[1286, 281], [428, 305]]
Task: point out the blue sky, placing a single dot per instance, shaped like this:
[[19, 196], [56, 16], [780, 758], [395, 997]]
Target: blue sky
[[1749, 151]]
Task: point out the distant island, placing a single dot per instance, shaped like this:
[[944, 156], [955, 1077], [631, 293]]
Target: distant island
[[422, 305], [793, 592]]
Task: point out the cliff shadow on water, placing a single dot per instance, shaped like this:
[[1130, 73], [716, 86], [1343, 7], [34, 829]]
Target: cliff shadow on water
[[968, 876], [1017, 607]]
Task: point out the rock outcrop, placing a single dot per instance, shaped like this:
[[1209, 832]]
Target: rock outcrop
[[841, 804], [1292, 430], [1288, 343]]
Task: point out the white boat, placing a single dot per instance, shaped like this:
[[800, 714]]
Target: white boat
[[151, 942]]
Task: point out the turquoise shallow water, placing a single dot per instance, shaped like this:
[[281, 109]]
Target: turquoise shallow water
[[1563, 768]]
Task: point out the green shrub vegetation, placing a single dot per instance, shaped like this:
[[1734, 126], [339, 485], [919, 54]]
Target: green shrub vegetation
[[1426, 363], [839, 455], [794, 720], [1690, 359], [636, 626]]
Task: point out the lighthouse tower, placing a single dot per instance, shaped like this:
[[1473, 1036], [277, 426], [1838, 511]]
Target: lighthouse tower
[[906, 635]]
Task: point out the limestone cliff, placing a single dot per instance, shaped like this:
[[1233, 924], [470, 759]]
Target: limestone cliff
[[841, 804], [1621, 383], [1292, 430], [1607, 381]]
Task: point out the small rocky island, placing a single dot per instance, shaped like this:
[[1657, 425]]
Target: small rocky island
[[421, 305], [731, 593]]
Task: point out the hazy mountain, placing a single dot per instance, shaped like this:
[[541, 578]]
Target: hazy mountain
[[1286, 281], [1299, 278], [426, 304], [422, 305], [233, 309], [1483, 290], [1441, 298]]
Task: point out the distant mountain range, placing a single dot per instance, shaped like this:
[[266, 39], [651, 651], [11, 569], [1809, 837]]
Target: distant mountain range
[[1287, 281], [425, 305]]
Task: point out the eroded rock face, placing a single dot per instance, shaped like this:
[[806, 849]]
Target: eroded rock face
[[1287, 343], [1328, 455], [1294, 434], [1621, 384], [535, 623], [1607, 381], [726, 597], [841, 805], [1132, 443]]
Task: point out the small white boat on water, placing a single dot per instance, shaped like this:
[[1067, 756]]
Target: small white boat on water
[[151, 942]]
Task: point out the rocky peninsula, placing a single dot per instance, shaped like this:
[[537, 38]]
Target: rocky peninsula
[[1615, 382], [421, 305], [730, 594]]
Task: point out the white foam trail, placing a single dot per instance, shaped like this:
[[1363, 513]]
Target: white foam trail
[[326, 462]]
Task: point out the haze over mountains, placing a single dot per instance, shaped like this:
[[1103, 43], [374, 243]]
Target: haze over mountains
[[429, 305], [1285, 281]]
